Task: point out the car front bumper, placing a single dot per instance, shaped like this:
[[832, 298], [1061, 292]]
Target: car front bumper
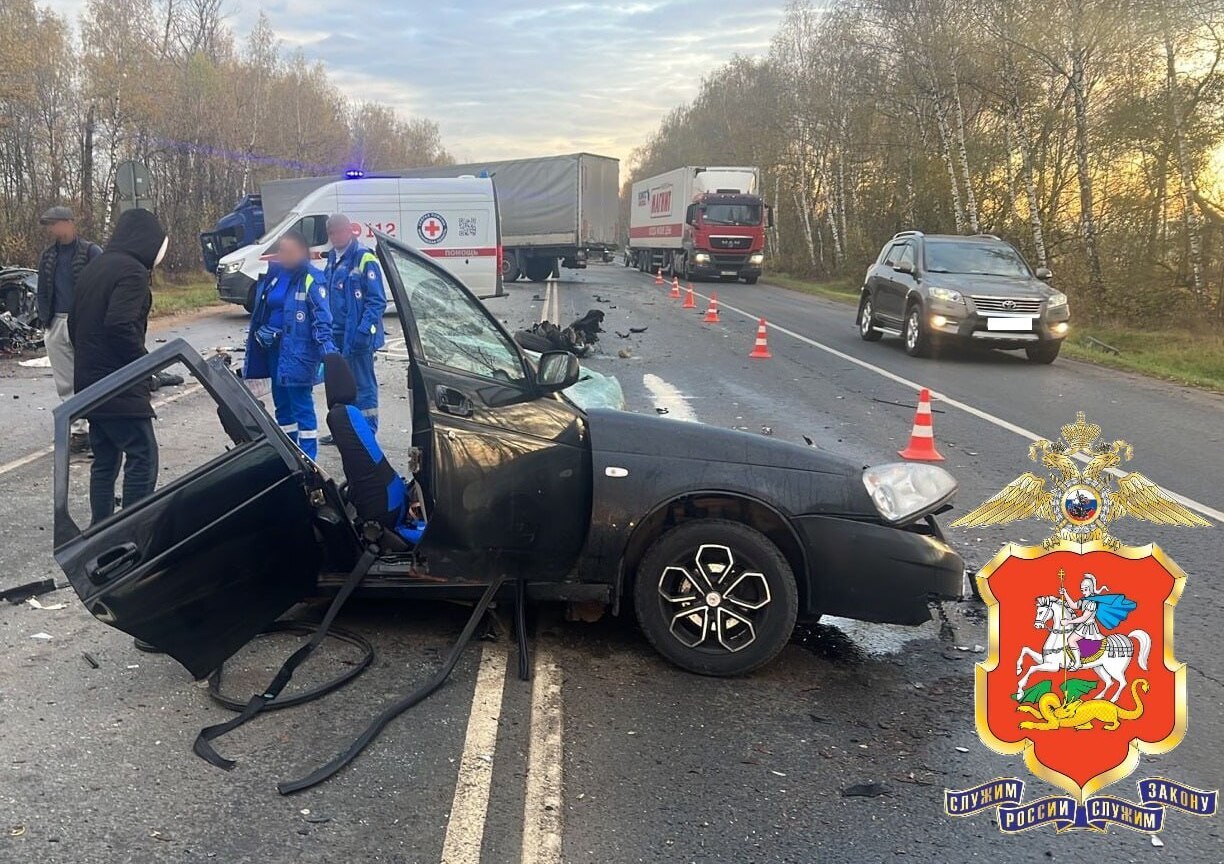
[[873, 572], [235, 287], [954, 321]]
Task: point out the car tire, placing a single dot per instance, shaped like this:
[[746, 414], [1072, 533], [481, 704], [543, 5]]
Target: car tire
[[751, 280], [917, 338], [249, 304], [1043, 352], [510, 268], [730, 631], [866, 321]]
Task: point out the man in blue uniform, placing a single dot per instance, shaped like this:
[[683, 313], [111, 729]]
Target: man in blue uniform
[[358, 299]]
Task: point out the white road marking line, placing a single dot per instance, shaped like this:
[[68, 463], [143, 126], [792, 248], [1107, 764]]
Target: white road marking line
[[667, 395], [542, 815], [470, 807], [47, 451], [1202, 508]]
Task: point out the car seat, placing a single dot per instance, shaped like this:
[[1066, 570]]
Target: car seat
[[380, 496]]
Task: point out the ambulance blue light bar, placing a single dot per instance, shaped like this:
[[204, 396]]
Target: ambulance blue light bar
[[354, 174]]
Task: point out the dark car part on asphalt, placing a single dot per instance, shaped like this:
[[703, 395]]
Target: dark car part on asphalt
[[21, 593], [20, 329], [571, 505], [578, 337], [932, 289]]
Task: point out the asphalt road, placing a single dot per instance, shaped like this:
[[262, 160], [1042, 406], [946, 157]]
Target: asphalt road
[[610, 754]]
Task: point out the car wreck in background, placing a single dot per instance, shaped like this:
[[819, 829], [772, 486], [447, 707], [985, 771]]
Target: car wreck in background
[[20, 329]]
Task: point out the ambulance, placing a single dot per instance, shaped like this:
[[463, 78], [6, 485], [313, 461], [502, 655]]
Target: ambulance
[[453, 220]]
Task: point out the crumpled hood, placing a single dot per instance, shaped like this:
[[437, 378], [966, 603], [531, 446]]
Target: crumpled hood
[[139, 234]]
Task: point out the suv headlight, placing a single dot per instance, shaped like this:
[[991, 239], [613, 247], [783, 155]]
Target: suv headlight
[[232, 267], [903, 492], [946, 294], [1057, 300]]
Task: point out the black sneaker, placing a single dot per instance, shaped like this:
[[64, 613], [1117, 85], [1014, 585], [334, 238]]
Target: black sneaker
[[327, 441]]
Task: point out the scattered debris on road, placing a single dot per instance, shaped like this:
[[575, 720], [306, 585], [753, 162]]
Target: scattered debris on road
[[52, 607], [44, 637], [91, 660], [865, 790], [21, 593]]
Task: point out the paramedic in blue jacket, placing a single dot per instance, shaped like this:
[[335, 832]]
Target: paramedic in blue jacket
[[291, 330], [358, 300]]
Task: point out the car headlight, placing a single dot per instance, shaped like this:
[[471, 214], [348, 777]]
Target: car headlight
[[232, 267], [701, 258], [903, 491], [756, 258], [1057, 300], [946, 294]]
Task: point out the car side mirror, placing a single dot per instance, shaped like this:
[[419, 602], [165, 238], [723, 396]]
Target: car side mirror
[[1044, 274], [556, 371], [904, 267]]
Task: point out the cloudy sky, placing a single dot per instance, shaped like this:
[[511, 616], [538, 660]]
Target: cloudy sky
[[507, 78]]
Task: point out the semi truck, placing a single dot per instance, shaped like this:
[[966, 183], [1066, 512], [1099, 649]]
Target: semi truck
[[553, 209], [699, 222]]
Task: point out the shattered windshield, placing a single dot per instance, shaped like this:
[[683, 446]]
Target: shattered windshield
[[977, 258], [454, 328], [733, 214]]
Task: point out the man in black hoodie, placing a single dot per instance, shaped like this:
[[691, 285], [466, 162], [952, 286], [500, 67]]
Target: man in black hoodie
[[110, 314]]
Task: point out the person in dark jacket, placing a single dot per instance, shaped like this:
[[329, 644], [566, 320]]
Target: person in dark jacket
[[109, 318], [58, 268], [291, 330]]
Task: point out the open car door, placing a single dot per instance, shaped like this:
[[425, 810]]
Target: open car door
[[203, 564], [506, 465]]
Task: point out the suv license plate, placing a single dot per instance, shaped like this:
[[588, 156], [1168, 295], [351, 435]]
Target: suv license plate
[[1011, 323], [730, 273]]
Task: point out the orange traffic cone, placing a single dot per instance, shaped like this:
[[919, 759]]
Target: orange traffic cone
[[659, 276], [689, 302], [675, 292], [760, 351], [922, 439], [711, 316]]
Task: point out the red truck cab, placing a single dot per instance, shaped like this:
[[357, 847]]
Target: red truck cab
[[724, 237]]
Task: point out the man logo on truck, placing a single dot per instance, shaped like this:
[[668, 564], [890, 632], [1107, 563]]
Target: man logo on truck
[[431, 228]]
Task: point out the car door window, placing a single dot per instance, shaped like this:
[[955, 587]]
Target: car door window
[[313, 228], [894, 251], [454, 328], [906, 255]]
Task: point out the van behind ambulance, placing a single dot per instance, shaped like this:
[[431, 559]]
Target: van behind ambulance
[[451, 219]]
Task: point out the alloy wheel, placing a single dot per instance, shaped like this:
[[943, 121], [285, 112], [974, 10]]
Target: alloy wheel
[[713, 599], [865, 318], [912, 327]]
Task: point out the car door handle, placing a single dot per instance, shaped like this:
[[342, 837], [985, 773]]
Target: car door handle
[[451, 401], [112, 563]]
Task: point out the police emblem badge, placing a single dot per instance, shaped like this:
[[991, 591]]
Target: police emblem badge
[[1080, 676]]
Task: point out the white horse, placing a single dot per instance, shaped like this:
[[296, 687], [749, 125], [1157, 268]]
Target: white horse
[[1111, 665]]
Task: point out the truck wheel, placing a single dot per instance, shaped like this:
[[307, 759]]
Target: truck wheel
[[751, 280], [510, 268], [716, 597], [1043, 352], [539, 269]]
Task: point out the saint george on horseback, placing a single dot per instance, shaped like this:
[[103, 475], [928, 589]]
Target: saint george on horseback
[[1096, 609]]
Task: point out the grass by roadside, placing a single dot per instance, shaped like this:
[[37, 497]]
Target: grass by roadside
[[173, 296], [1193, 356]]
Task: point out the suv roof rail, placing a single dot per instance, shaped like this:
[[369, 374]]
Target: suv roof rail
[[988, 236], [907, 234]]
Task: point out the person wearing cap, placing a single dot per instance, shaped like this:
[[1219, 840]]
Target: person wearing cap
[[58, 269], [358, 300]]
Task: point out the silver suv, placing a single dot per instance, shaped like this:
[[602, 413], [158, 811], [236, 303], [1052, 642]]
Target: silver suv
[[932, 288]]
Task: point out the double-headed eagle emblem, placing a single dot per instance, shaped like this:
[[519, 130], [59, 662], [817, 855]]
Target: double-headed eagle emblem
[[1081, 503]]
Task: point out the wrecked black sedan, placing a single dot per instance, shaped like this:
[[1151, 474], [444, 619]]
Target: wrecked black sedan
[[719, 540]]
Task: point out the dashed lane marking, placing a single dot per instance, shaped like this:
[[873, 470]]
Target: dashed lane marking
[[1202, 508], [668, 396], [469, 809]]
